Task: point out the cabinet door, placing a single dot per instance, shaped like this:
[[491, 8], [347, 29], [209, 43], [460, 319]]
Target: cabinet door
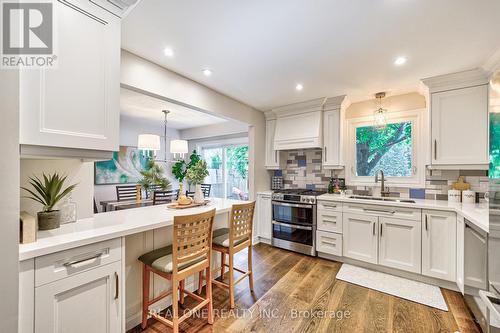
[[329, 220], [475, 259], [460, 253], [439, 245], [331, 138], [460, 126], [272, 155], [264, 216], [400, 244], [86, 302], [360, 234], [76, 104]]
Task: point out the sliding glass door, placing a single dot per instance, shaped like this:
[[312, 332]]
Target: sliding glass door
[[228, 170]]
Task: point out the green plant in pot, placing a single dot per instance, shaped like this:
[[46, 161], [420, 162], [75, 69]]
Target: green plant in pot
[[153, 175], [48, 192], [196, 175], [179, 171]]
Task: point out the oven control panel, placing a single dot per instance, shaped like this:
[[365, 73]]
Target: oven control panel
[[308, 199]]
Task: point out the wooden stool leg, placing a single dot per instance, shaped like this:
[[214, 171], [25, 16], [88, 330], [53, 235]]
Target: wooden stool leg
[[200, 282], [181, 291], [209, 295], [175, 306], [250, 268], [145, 296], [231, 280], [223, 263]]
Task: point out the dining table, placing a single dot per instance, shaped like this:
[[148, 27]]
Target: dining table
[[110, 205]]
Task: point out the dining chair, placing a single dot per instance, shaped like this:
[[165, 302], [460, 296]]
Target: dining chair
[[229, 241], [190, 253], [205, 188], [163, 197], [152, 189], [128, 192]]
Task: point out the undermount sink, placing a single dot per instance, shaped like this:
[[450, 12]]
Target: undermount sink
[[363, 197]]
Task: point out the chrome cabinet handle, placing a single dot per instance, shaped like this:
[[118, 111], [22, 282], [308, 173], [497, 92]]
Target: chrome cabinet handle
[[373, 231], [325, 155], [435, 149], [285, 204], [379, 211], [381, 224], [82, 262], [292, 226], [117, 285], [426, 227]]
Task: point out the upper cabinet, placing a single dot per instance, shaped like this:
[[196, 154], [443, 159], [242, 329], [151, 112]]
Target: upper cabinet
[[459, 119], [332, 132], [76, 104], [272, 155]]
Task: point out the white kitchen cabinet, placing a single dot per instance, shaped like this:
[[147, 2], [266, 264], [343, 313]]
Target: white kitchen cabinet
[[360, 237], [329, 216], [76, 104], [264, 216], [476, 258], [331, 139], [459, 118], [85, 302], [400, 244], [329, 243], [299, 131], [439, 244], [460, 252], [272, 155]]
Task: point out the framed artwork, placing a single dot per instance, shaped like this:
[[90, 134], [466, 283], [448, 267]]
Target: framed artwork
[[124, 168]]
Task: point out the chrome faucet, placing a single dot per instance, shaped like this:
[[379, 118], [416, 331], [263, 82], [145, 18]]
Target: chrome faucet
[[384, 192]]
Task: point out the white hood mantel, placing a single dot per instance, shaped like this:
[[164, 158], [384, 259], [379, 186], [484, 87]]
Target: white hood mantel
[[300, 125]]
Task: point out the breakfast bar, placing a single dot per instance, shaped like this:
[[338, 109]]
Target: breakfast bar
[[95, 259]]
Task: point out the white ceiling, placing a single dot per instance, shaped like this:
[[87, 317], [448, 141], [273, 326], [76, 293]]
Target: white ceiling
[[144, 107], [260, 49]]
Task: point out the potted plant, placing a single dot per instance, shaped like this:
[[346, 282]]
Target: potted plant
[[196, 174], [48, 192], [179, 170], [153, 175]]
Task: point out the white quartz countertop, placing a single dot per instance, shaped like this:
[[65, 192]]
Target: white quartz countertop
[[478, 214], [111, 225]]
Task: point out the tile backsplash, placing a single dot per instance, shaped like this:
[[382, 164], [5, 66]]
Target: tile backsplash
[[304, 170]]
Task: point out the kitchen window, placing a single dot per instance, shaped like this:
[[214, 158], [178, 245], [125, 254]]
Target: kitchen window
[[394, 149], [228, 170]]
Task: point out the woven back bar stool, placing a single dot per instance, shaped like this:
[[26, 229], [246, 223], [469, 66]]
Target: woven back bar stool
[[190, 253], [229, 241]]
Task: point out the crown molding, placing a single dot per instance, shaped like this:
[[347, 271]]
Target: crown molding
[[469, 78], [334, 103], [298, 108], [492, 64]]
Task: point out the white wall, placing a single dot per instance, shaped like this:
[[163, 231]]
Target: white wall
[[209, 131], [9, 205], [140, 74], [130, 128], [78, 172]]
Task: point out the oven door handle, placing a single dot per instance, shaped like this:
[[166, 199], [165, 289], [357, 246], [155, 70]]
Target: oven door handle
[[286, 204], [292, 225]]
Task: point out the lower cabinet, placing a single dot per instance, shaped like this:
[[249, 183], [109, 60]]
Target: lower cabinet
[[400, 244], [460, 253], [475, 258], [329, 243], [360, 237], [439, 244], [85, 302], [264, 216]]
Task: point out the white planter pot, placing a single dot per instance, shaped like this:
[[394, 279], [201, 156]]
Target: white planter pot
[[198, 194]]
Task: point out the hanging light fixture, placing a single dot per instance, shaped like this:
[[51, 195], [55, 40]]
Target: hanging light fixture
[[379, 115], [151, 142]]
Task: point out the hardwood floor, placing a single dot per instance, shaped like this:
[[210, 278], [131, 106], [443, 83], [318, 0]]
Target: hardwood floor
[[297, 293]]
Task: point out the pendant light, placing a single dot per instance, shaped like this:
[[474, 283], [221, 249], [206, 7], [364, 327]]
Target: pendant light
[[151, 142], [379, 116]]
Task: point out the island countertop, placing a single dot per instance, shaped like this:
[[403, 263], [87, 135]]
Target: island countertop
[[111, 225]]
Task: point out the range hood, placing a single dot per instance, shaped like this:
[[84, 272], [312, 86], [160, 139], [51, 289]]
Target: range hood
[[299, 126]]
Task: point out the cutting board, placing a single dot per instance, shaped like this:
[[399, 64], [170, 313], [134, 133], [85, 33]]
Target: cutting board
[[175, 205]]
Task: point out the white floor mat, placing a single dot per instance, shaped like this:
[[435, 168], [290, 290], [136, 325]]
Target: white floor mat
[[393, 285]]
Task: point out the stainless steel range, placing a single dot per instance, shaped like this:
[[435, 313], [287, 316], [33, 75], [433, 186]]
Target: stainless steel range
[[294, 220]]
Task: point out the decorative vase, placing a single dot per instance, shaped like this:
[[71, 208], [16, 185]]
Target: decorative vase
[[183, 199], [199, 198], [49, 220]]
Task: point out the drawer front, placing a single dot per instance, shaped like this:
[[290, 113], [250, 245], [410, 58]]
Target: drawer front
[[330, 221], [331, 206], [67, 263], [383, 210], [329, 242]]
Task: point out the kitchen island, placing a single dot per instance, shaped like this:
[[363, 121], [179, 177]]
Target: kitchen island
[[94, 261]]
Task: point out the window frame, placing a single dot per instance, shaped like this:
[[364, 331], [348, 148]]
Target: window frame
[[416, 117]]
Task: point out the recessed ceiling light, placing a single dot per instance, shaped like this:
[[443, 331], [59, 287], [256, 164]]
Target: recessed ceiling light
[[168, 52], [299, 87], [400, 61], [207, 72]]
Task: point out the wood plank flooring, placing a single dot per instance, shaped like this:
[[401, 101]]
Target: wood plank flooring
[[297, 293]]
